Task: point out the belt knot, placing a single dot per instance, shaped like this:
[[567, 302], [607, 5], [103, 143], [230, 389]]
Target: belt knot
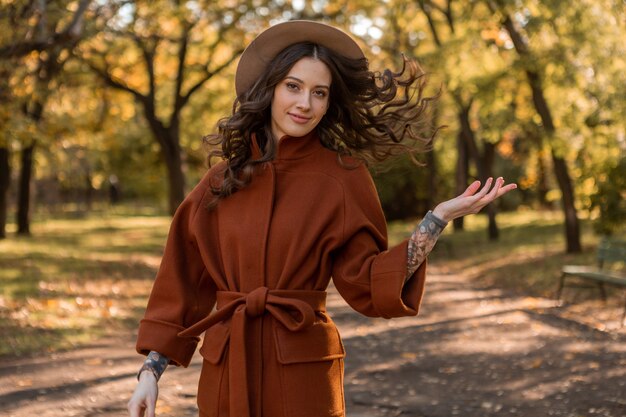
[[255, 302]]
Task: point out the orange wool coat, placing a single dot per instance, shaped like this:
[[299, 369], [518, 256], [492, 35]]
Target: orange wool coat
[[264, 258]]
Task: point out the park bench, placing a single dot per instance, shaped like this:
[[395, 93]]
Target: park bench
[[611, 259]]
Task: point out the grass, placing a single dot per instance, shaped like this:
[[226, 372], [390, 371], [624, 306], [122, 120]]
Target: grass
[[76, 279]]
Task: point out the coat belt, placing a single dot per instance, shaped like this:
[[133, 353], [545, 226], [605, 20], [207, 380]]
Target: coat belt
[[242, 308]]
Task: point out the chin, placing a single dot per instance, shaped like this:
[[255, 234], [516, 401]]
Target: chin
[[301, 133], [296, 133]]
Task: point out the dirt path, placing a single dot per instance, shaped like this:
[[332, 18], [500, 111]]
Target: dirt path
[[471, 352]]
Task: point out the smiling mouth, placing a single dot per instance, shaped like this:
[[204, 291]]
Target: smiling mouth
[[299, 118]]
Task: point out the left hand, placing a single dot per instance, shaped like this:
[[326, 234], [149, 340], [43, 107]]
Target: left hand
[[471, 201]]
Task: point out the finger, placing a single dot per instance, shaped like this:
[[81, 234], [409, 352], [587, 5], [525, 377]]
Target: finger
[[150, 407], [135, 410], [484, 190], [494, 191], [505, 189], [131, 409], [473, 187]]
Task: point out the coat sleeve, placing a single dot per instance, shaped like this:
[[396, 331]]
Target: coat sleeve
[[182, 292], [369, 275]]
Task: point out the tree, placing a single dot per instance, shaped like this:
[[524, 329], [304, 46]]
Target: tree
[[572, 228], [41, 36], [162, 56], [447, 40]]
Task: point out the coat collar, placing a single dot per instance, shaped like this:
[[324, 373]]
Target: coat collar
[[290, 147]]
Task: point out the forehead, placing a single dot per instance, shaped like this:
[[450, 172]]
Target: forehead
[[311, 71]]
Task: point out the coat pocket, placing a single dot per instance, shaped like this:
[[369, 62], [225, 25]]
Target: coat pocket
[[320, 342], [311, 365]]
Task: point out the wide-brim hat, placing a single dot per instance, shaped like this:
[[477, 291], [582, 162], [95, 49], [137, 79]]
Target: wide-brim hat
[[271, 41]]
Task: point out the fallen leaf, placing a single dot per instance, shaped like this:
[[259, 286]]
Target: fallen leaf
[[24, 383]]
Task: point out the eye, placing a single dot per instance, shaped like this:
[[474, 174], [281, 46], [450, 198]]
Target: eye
[[320, 93], [291, 86]]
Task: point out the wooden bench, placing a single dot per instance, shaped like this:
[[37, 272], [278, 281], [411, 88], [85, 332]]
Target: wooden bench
[[611, 253]]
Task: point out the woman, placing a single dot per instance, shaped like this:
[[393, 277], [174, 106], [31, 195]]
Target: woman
[[264, 231]]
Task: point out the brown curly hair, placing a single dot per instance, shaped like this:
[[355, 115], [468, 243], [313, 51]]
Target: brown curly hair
[[371, 115]]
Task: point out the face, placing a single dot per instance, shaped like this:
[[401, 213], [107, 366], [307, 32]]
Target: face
[[301, 99]]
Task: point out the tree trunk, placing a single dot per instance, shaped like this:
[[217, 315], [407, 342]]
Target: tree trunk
[[542, 180], [23, 199], [176, 180], [483, 168], [5, 181], [172, 154], [489, 151], [169, 144], [572, 229], [35, 113], [462, 175]]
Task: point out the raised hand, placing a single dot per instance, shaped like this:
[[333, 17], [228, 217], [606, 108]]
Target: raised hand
[[472, 200]]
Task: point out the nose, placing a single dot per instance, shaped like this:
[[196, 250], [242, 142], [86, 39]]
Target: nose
[[304, 102]]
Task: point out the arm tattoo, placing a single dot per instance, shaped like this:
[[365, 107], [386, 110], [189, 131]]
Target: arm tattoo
[[422, 241], [155, 363]]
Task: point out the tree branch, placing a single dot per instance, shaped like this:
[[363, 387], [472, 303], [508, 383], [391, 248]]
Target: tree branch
[[75, 27], [112, 81], [449, 16], [70, 33], [148, 56], [180, 73], [433, 29], [184, 99]]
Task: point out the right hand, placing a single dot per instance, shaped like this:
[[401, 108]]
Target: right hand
[[145, 396]]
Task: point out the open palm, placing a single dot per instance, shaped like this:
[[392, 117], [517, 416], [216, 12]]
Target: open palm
[[473, 199]]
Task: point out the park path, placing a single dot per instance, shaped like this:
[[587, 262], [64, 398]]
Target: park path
[[471, 352]]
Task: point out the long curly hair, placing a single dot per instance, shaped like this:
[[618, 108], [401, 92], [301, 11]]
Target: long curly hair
[[371, 115]]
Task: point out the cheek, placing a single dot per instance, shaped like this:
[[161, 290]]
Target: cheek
[[323, 107], [277, 97], [276, 105]]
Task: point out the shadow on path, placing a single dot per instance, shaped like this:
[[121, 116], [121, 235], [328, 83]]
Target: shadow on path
[[470, 352]]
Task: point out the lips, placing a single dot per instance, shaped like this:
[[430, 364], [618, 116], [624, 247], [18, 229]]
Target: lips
[[299, 119]]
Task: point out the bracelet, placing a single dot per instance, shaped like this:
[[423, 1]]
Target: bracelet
[[147, 367], [438, 221], [155, 363]]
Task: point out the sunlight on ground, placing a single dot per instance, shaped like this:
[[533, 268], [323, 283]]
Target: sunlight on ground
[[74, 279], [526, 260]]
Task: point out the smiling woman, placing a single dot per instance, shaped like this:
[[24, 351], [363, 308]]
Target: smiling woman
[[368, 115], [300, 99], [291, 206]]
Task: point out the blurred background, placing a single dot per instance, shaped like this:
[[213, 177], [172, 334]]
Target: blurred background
[[103, 105]]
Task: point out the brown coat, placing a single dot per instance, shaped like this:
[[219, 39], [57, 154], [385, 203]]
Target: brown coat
[[264, 257]]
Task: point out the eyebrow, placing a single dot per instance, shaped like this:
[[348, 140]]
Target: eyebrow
[[302, 82]]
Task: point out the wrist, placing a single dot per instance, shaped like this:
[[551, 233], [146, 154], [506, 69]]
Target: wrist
[[440, 213], [155, 363], [147, 373]]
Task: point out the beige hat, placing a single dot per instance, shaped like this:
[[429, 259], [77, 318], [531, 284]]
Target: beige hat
[[271, 41]]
